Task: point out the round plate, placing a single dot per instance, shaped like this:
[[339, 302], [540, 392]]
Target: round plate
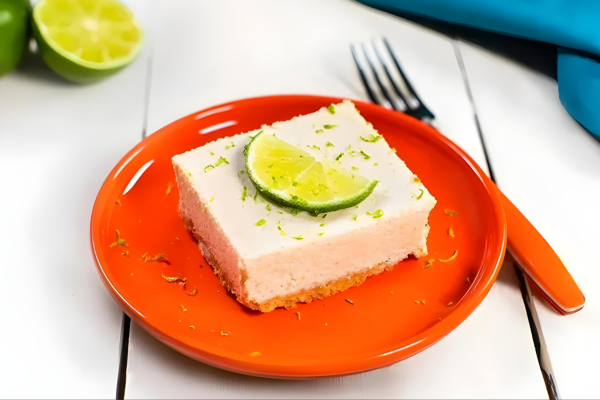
[[395, 314]]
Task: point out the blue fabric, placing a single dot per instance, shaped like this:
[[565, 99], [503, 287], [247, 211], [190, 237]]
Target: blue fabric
[[574, 25]]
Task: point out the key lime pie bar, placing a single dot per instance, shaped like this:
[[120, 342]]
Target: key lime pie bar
[[302, 209]]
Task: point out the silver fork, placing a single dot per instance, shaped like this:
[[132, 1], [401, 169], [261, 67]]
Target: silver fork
[[385, 81]]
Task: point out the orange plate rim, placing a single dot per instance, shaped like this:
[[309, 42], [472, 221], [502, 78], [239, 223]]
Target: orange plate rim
[[330, 367]]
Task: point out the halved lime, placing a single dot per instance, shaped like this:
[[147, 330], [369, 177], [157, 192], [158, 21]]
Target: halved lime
[[291, 176], [86, 40]]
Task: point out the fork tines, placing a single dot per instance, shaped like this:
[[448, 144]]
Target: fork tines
[[385, 81]]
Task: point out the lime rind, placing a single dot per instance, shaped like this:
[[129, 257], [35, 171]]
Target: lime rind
[[293, 201]]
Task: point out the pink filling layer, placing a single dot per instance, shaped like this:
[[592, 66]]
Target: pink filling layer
[[286, 272]]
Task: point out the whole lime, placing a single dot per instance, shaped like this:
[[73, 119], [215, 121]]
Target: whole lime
[[14, 33]]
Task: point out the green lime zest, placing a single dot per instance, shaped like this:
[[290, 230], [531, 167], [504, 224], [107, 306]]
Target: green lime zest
[[372, 139], [331, 109], [376, 214], [244, 193], [329, 126], [260, 222], [221, 160]]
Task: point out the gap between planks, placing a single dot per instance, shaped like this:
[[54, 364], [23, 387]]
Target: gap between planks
[[534, 323], [126, 322]]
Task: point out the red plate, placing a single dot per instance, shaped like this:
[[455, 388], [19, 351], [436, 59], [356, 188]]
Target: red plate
[[385, 325]]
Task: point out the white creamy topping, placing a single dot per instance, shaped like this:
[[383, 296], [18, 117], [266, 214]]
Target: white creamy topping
[[395, 194]]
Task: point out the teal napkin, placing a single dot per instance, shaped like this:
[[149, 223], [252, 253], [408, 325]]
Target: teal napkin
[[573, 25]]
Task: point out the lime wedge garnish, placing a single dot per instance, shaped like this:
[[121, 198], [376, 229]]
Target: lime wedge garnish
[[291, 176], [86, 40]]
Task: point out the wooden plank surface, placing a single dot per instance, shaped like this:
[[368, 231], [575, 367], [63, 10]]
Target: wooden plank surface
[[206, 53], [58, 141], [549, 166]]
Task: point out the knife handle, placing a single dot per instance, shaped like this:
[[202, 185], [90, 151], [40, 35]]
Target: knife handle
[[539, 262]]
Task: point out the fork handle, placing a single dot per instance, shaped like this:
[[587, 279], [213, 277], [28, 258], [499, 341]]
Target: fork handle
[[539, 262]]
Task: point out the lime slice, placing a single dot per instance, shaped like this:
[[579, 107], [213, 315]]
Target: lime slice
[[291, 176], [86, 40], [14, 33]]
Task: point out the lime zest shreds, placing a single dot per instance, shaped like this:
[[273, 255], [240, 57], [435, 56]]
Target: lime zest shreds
[[242, 172], [372, 139], [244, 193], [209, 167], [451, 213], [354, 217], [323, 224], [314, 147], [319, 131], [221, 160], [299, 237], [339, 156], [257, 198], [376, 214], [451, 257], [329, 144], [211, 153], [229, 146], [331, 109], [260, 222], [355, 169], [420, 195], [365, 155], [321, 234], [211, 200], [268, 207], [329, 126]]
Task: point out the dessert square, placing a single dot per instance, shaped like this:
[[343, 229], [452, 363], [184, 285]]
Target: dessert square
[[272, 256]]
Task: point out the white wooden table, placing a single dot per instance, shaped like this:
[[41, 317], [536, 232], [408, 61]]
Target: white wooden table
[[61, 331]]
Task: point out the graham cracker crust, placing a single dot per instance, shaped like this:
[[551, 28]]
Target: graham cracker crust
[[291, 300], [323, 290]]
